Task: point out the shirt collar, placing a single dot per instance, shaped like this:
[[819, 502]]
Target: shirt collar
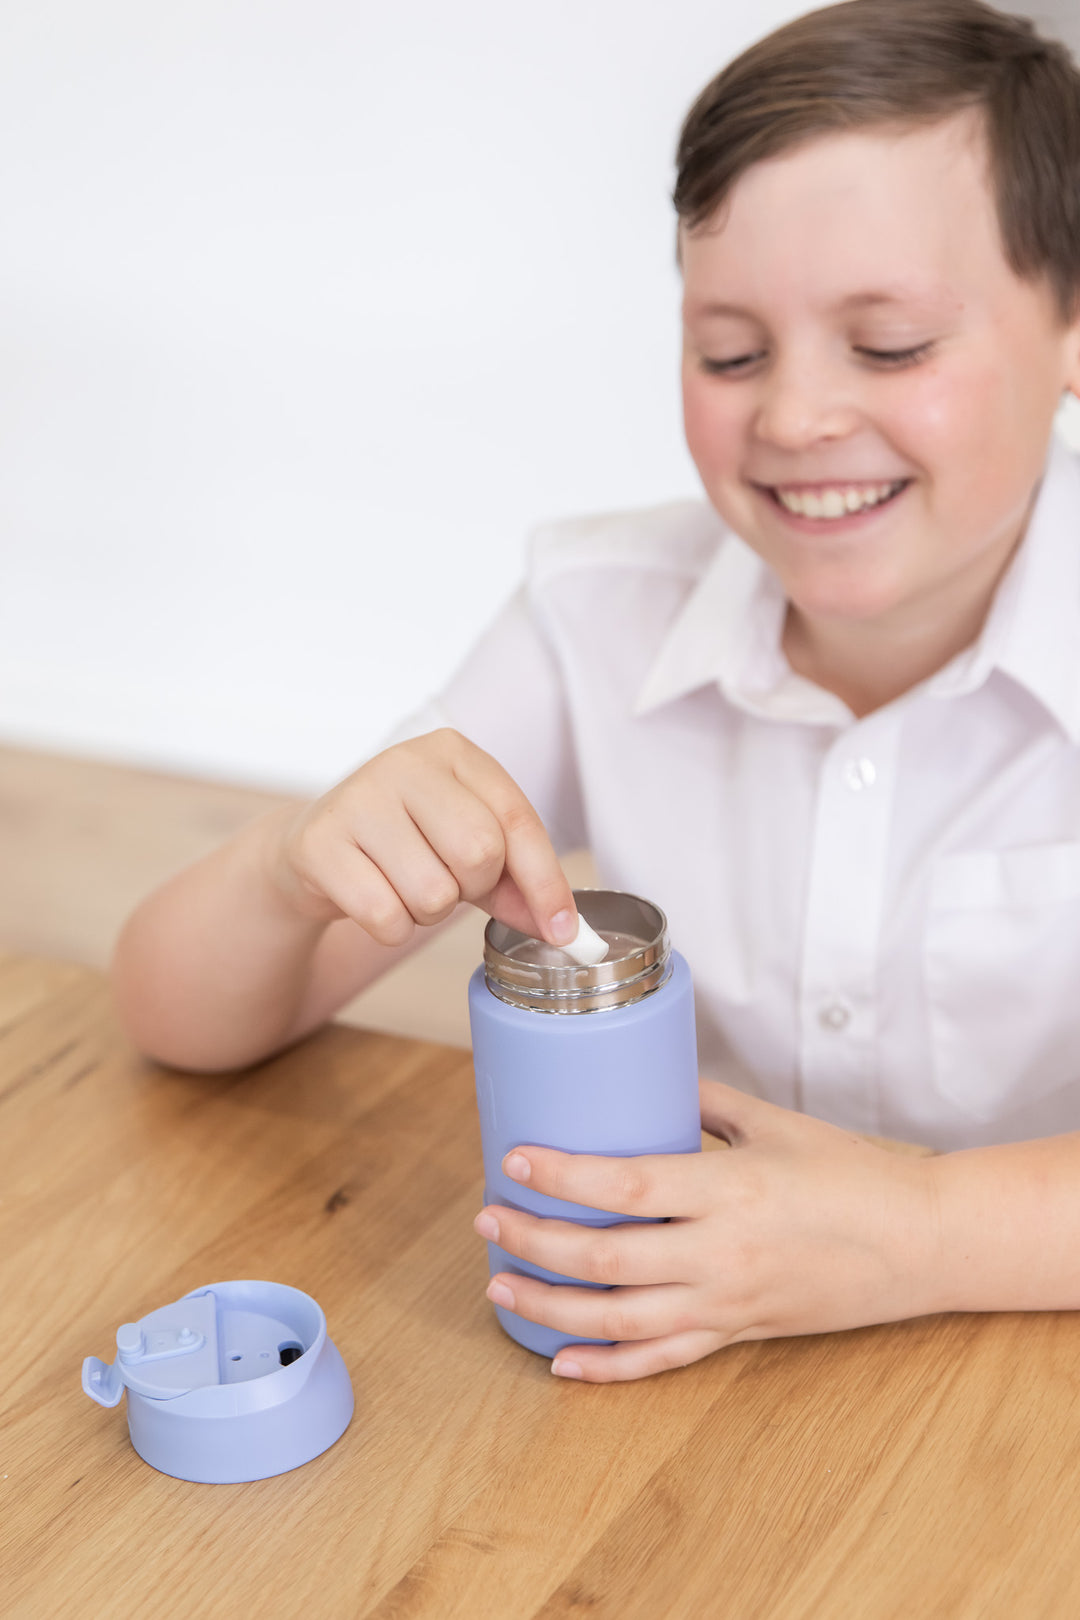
[[1032, 632], [711, 632], [728, 632]]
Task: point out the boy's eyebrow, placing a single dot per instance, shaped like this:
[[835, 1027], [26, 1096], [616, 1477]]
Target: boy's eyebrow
[[870, 299], [732, 311], [892, 295]]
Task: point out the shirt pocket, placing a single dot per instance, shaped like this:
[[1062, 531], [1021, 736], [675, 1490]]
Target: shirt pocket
[[1002, 975]]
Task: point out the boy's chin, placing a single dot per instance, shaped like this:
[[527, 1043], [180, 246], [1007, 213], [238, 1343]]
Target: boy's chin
[[852, 600]]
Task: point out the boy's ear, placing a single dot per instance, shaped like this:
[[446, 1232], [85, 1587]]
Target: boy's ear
[[1072, 357]]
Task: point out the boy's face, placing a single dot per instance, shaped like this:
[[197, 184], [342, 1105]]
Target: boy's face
[[854, 332]]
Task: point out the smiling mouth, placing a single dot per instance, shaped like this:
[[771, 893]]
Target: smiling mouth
[[828, 502]]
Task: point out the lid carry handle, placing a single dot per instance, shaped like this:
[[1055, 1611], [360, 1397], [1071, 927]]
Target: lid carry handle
[[102, 1382]]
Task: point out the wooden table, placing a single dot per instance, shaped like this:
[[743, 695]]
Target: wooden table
[[926, 1469]]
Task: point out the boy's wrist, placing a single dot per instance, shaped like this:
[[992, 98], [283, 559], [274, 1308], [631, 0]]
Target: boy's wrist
[[961, 1269], [941, 1281], [920, 1261], [284, 892]]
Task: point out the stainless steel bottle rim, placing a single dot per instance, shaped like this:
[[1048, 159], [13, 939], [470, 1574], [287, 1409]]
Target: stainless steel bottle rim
[[637, 965]]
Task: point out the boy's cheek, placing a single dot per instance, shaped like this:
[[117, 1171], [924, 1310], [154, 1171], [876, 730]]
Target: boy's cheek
[[715, 431], [941, 418]]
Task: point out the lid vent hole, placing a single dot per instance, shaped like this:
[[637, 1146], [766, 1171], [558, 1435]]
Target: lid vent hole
[[289, 1352]]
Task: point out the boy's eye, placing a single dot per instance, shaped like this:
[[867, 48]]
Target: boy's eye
[[726, 368], [896, 357]]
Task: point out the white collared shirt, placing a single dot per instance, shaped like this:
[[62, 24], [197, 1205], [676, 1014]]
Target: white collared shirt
[[882, 916]]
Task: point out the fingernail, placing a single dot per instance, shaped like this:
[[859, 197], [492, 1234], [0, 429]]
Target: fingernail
[[563, 928], [517, 1167], [487, 1226], [499, 1294], [566, 1369]]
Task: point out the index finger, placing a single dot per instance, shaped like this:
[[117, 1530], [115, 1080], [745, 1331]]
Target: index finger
[[530, 860], [652, 1185]]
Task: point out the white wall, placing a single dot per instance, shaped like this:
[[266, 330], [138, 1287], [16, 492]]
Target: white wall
[[308, 310], [1057, 17]]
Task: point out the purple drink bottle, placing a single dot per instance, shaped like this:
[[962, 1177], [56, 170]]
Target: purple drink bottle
[[585, 1059]]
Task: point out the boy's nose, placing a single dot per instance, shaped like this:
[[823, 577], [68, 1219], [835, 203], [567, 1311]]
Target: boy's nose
[[800, 407]]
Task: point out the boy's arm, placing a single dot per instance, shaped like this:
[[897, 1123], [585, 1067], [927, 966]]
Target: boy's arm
[[1009, 1226], [251, 948], [215, 969]]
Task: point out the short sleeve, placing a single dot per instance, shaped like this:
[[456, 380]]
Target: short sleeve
[[509, 698]]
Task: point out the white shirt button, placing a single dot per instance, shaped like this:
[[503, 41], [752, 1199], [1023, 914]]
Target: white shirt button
[[834, 1015], [859, 774]]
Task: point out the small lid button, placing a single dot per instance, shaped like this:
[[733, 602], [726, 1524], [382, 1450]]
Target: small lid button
[[129, 1341]]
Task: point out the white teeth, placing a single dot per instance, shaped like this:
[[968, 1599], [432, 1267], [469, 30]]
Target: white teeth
[[834, 503]]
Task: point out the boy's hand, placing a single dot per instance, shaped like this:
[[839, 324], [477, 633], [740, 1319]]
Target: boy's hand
[[800, 1228], [417, 829]]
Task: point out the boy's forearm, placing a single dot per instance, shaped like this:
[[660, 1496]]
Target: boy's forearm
[[212, 969], [1008, 1233]]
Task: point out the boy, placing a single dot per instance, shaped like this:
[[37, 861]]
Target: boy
[[830, 721]]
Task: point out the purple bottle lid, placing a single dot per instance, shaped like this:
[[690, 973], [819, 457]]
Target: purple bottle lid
[[235, 1381]]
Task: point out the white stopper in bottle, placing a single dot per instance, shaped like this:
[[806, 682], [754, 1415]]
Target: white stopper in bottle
[[587, 948]]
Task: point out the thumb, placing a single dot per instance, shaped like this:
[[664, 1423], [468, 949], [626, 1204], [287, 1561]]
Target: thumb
[[506, 903], [732, 1114]]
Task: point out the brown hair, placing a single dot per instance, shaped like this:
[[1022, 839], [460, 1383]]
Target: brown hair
[[871, 62]]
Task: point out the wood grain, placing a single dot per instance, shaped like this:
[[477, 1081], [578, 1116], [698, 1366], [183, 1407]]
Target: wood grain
[[919, 1470]]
